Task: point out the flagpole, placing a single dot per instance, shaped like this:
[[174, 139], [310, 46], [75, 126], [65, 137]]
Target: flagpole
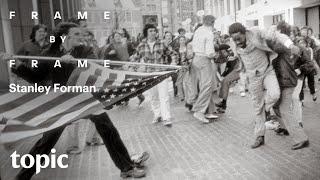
[[95, 60]]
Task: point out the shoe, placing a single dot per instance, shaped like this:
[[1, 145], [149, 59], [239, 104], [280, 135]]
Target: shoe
[[141, 99], [189, 107], [167, 123], [156, 120], [135, 173], [272, 125], [314, 97], [258, 142], [221, 105], [243, 94], [300, 145], [211, 116], [282, 132], [300, 124], [200, 117], [74, 150], [139, 159]]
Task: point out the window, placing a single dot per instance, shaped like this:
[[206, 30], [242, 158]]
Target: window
[[228, 7], [128, 16], [277, 18], [254, 1], [222, 7], [239, 5], [151, 7], [256, 22]]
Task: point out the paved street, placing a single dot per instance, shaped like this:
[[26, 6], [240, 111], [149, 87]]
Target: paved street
[[191, 150]]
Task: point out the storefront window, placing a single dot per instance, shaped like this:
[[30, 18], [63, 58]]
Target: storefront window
[[277, 18]]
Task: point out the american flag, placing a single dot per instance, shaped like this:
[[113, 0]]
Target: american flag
[[30, 114]]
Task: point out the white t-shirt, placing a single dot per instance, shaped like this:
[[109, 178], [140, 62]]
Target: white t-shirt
[[151, 45]]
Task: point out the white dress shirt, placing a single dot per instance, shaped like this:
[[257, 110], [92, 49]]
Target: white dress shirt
[[203, 42]]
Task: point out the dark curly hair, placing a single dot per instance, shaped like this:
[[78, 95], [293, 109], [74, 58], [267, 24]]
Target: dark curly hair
[[284, 28], [146, 27], [237, 27], [35, 28]]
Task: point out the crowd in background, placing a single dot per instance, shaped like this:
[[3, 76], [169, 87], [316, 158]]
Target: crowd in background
[[226, 68]]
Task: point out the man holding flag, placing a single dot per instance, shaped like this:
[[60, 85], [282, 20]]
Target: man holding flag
[[46, 74]]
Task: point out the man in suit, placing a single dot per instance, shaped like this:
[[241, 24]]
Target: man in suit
[[252, 49]]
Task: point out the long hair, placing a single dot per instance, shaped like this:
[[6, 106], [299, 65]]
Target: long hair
[[126, 33], [35, 28]]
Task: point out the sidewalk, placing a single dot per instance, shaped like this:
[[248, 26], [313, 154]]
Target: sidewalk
[[191, 150]]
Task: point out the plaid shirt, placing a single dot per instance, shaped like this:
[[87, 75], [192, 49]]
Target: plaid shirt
[[145, 55]]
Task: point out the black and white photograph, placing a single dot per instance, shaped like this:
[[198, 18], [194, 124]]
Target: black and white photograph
[[159, 89]]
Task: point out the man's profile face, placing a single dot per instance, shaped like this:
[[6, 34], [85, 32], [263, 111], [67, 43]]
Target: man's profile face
[[75, 37], [152, 33], [239, 39]]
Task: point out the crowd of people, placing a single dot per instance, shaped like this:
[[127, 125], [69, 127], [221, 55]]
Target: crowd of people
[[272, 65]]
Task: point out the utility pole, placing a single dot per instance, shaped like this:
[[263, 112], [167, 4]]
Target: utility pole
[[235, 10], [116, 5]]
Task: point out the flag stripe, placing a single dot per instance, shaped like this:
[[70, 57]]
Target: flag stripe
[[93, 79], [29, 106], [110, 80], [17, 135], [47, 106], [7, 97], [69, 111], [102, 79], [17, 102]]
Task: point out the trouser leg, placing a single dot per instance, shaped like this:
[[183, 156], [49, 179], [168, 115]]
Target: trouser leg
[[311, 83], [291, 115], [256, 89], [272, 88], [179, 85], [43, 146], [226, 82], [193, 85], [154, 101], [111, 138], [164, 100], [92, 134], [205, 76]]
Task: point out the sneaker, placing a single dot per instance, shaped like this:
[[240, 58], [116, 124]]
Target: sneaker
[[167, 123], [74, 150], [243, 94], [200, 117], [135, 173], [272, 125], [156, 120], [189, 107], [96, 141], [314, 97], [138, 159], [258, 142], [141, 99], [211, 116], [221, 105]]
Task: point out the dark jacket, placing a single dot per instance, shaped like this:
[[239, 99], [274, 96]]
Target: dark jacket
[[286, 64], [46, 74], [31, 48]]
